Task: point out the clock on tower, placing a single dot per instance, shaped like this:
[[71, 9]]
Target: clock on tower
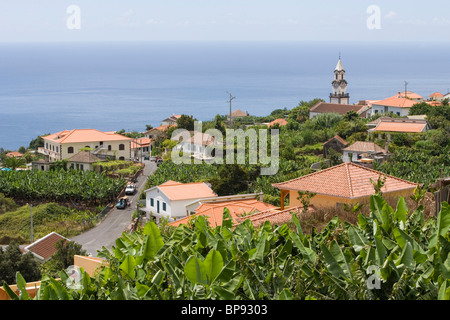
[[339, 86]]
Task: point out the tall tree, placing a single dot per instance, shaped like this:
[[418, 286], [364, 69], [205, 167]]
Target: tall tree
[[186, 122]]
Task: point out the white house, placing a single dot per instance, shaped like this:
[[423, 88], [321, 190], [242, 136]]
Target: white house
[[397, 105], [169, 199], [355, 151], [196, 144]]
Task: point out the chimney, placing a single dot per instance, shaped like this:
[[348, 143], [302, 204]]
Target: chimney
[[261, 197]]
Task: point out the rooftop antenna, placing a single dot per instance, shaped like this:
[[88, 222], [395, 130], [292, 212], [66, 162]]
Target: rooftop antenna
[[231, 99]]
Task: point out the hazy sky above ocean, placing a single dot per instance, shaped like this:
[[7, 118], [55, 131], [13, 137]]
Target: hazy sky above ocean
[[230, 20], [134, 62]]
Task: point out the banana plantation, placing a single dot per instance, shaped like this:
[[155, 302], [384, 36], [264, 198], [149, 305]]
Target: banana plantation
[[73, 186], [390, 254]]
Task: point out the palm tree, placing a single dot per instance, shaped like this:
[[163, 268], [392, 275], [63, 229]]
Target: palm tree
[[13, 162]]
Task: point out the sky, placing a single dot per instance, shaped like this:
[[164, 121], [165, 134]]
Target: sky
[[224, 20]]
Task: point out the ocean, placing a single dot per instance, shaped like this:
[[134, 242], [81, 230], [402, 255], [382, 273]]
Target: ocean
[[49, 87]]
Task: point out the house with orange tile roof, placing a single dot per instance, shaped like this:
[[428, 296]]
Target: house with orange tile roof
[[396, 104], [280, 122], [346, 183], [409, 95], [67, 143], [141, 147], [169, 200], [170, 121], [436, 96], [45, 247], [405, 125], [154, 133], [239, 206], [14, 154]]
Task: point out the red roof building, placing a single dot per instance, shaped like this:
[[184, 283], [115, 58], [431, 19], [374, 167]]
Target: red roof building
[[45, 247], [344, 183]]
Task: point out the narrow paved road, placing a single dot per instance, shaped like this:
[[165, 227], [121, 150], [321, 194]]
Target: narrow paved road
[[115, 222]]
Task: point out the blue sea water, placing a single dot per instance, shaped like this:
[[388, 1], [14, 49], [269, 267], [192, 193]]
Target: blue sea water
[[49, 87]]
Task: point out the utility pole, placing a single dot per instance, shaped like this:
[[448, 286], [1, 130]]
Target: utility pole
[[231, 99], [406, 89], [31, 234]]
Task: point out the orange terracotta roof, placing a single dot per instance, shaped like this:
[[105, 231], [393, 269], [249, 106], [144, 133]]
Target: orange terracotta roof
[[363, 146], [170, 183], [239, 113], [434, 103], [392, 126], [140, 142], [161, 128], [214, 211], [45, 247], [436, 95], [15, 154], [281, 122], [347, 180], [184, 191], [396, 102], [84, 135], [274, 217], [409, 94]]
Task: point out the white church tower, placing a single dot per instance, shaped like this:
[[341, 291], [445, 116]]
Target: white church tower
[[339, 86]]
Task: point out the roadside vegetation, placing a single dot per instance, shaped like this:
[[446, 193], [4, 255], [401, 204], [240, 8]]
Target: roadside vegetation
[[390, 254], [15, 225], [72, 187]]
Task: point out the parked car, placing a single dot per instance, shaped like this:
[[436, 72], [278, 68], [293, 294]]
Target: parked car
[[122, 203], [130, 189], [146, 158], [159, 162]]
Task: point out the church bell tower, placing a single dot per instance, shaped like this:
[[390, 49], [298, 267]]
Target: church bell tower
[[339, 86]]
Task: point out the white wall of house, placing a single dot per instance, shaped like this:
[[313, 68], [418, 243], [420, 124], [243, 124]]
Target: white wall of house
[[402, 112], [174, 209], [196, 150], [349, 156], [154, 203], [58, 151]]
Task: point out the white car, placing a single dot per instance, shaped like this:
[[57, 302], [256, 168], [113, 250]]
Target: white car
[[130, 189]]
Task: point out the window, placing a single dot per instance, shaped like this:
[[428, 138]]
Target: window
[[121, 146], [70, 150], [46, 146], [109, 147], [57, 149], [152, 202], [121, 158], [164, 206]]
